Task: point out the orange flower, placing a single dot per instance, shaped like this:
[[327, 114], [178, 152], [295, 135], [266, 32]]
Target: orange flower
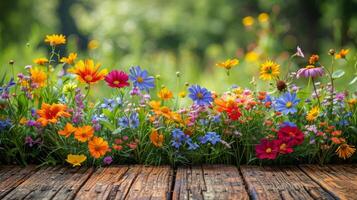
[[70, 59], [38, 77], [50, 113], [156, 138], [313, 59], [335, 140], [165, 94], [98, 147], [84, 133], [87, 71], [342, 54], [68, 130], [41, 61], [55, 39], [345, 151]]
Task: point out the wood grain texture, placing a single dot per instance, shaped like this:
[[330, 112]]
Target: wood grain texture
[[51, 183], [339, 180], [281, 183], [209, 182], [12, 176]]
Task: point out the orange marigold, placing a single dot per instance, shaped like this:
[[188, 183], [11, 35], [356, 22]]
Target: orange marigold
[[70, 59], [50, 113], [38, 77], [88, 72], [156, 138], [68, 130], [84, 133], [41, 61], [98, 147]]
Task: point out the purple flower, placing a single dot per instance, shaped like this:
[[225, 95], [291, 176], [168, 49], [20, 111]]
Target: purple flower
[[340, 96], [135, 91], [310, 71], [107, 160], [211, 137], [141, 78], [200, 95], [78, 112], [30, 142], [287, 123]]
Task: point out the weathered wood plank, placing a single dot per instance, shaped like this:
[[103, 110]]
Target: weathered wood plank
[[108, 183], [12, 176], [51, 183], [281, 183], [339, 180], [152, 183], [209, 182]]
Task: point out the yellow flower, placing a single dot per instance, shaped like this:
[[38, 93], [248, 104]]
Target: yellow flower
[[76, 160], [38, 77], [165, 94], [70, 59], [251, 56], [345, 151], [23, 121], [182, 94], [269, 70], [342, 53], [88, 72], [263, 17], [352, 102], [41, 61], [313, 114], [228, 64], [93, 44], [55, 39], [69, 87], [248, 21]]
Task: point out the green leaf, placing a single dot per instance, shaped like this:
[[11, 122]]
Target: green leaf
[[338, 74], [353, 81], [107, 113], [117, 131], [107, 125]]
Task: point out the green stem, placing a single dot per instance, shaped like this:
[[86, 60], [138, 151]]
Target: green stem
[[317, 95]]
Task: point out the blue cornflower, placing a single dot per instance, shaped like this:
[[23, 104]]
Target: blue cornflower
[[287, 103], [109, 104], [123, 122], [178, 137], [287, 123], [134, 120], [141, 79], [211, 137], [201, 96], [8, 85], [5, 124], [98, 118], [216, 118]]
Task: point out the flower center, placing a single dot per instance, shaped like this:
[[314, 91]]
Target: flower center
[[292, 134], [139, 79], [268, 150], [97, 148], [310, 67], [116, 82], [283, 146], [269, 70], [289, 104], [199, 95], [88, 77]]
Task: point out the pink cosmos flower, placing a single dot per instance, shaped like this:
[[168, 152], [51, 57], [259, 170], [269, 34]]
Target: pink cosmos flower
[[117, 79], [310, 71]]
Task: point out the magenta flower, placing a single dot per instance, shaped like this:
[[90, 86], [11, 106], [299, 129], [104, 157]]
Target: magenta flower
[[108, 160], [310, 71], [117, 79]]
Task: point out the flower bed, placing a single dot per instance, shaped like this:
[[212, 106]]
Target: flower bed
[[49, 119]]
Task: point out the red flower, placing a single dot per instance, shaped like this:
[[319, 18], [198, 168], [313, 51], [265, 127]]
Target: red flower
[[291, 134], [117, 79], [233, 112], [267, 149], [285, 147]]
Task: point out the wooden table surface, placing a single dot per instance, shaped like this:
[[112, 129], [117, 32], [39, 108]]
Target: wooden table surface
[[164, 182]]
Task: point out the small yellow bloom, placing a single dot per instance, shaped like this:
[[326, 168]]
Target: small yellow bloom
[[251, 56], [342, 53], [345, 151], [313, 114], [263, 17], [41, 61], [69, 87], [70, 59], [55, 39], [165, 94], [76, 160], [23, 121], [182, 94], [38, 77], [269, 70], [352, 102], [228, 64], [93, 44], [248, 21]]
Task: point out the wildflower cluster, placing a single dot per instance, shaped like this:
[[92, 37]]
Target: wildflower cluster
[[47, 118]]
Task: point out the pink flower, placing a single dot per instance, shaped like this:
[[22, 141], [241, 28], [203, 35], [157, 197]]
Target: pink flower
[[267, 149], [310, 71], [291, 134], [117, 79]]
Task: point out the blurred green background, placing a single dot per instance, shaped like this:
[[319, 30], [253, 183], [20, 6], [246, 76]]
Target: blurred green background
[[182, 35]]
